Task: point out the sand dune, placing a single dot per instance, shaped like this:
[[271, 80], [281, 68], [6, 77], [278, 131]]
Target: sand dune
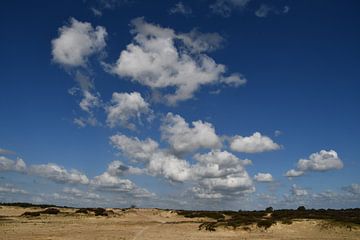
[[138, 224]]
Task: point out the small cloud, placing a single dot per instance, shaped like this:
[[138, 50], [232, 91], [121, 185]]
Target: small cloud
[[181, 9], [277, 133], [294, 173], [253, 144], [263, 177], [125, 107], [96, 12], [286, 9], [263, 11]]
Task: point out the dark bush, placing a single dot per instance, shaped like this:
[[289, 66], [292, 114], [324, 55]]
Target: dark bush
[[51, 211], [269, 209], [82, 210], [100, 212], [31, 214], [301, 208], [265, 224]]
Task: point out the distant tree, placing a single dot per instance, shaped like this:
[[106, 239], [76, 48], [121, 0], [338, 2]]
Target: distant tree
[[301, 208], [269, 209], [133, 206]]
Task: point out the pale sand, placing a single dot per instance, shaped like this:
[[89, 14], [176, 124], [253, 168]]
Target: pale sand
[[138, 224]]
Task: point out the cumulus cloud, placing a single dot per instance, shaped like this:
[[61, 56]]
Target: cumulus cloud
[[225, 7], [161, 59], [124, 107], [183, 138], [58, 174], [294, 173], [7, 164], [76, 42], [180, 8], [157, 161], [253, 144], [134, 148], [220, 174], [112, 183], [321, 161], [263, 177]]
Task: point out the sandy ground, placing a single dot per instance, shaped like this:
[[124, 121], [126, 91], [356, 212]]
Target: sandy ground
[[138, 224]]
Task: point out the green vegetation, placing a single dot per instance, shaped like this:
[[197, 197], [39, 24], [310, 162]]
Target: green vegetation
[[265, 219], [52, 211]]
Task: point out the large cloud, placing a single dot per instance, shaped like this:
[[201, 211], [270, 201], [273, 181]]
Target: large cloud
[[124, 107], [157, 161], [321, 161], [253, 144], [111, 181], [58, 174], [160, 58], [76, 42], [183, 138], [220, 174], [318, 162]]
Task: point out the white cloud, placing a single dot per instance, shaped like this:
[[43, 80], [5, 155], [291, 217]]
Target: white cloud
[[154, 60], [220, 174], [263, 11], [135, 149], [321, 161], [225, 7], [201, 42], [58, 174], [10, 189], [263, 177], [76, 42], [181, 9], [298, 192], [118, 168], [294, 173], [353, 189], [253, 144], [124, 107], [112, 183], [89, 102], [183, 139], [96, 12], [7, 164], [76, 193], [157, 161]]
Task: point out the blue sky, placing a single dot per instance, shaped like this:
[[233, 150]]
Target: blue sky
[[225, 104]]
